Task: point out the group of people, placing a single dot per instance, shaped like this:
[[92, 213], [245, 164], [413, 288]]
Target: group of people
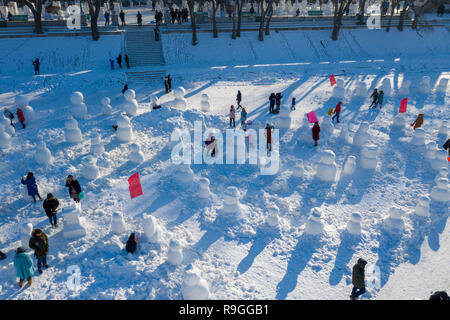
[[275, 99], [119, 61], [178, 15], [377, 98], [8, 114]]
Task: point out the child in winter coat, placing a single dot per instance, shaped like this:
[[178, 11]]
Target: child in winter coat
[[243, 118], [380, 99], [132, 242], [24, 266], [239, 97], [315, 132], [293, 104], [74, 188], [32, 187], [337, 110], [374, 96], [232, 117], [418, 122], [39, 243], [51, 206], [21, 117]]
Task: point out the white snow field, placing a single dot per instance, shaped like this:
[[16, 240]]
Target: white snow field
[[257, 247]]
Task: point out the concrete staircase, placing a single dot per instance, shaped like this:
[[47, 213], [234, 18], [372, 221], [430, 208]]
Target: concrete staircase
[[146, 56]]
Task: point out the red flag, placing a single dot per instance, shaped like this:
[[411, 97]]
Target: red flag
[[403, 105], [332, 80], [135, 185]]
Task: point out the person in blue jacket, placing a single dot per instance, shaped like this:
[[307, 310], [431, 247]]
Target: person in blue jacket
[[32, 187], [24, 266]]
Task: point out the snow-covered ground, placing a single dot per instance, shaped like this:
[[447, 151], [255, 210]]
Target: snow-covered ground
[[240, 256]]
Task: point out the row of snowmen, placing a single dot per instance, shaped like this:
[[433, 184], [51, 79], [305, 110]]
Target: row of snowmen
[[424, 87]]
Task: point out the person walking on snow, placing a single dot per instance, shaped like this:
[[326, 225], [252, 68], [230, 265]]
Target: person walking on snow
[[24, 266], [374, 97], [39, 243], [169, 82], [111, 63], [51, 207], [446, 146], [337, 111], [359, 286], [106, 18], [271, 102], [36, 65], [293, 104], [268, 133], [119, 60], [278, 97], [166, 84], [243, 118], [232, 117], [74, 188], [139, 18], [239, 98], [380, 99], [156, 31], [127, 61], [32, 188], [315, 132], [21, 117], [418, 122], [122, 17]]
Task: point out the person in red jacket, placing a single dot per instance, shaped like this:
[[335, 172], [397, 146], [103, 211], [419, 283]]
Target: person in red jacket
[[21, 117], [315, 132], [336, 112]]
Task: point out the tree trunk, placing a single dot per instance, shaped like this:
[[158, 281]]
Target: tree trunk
[[393, 5], [418, 13], [362, 4], [270, 10], [94, 10], [339, 10], [37, 14], [193, 25], [233, 33], [261, 25], [402, 16], [240, 5], [215, 6]]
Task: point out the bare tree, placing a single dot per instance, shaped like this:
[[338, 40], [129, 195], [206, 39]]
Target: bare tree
[[362, 5], [240, 4], [233, 33], [402, 15], [418, 12], [263, 12], [36, 8], [269, 17], [94, 10], [340, 6], [394, 3], [193, 25], [215, 5]]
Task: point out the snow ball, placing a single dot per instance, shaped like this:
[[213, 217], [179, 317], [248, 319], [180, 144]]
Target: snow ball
[[423, 206], [314, 225], [21, 100], [179, 93], [129, 94], [350, 165], [118, 225], [76, 98], [194, 287]]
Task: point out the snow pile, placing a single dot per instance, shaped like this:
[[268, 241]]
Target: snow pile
[[203, 188], [440, 159], [386, 87], [5, 139], [118, 225], [106, 108], [194, 287], [130, 106], [326, 127], [231, 204], [42, 154], [354, 224], [97, 146], [124, 130], [28, 112], [326, 170], [362, 135], [443, 128], [136, 155], [78, 109], [89, 169], [399, 120], [443, 173], [350, 165], [369, 157], [175, 253], [72, 132], [394, 224], [152, 229], [361, 89], [442, 85], [404, 89], [154, 101], [418, 138], [184, 174], [440, 192], [298, 170], [431, 150], [423, 206], [339, 90], [72, 227], [205, 104], [5, 124], [25, 231], [343, 135], [284, 118], [425, 85], [273, 216], [314, 225]]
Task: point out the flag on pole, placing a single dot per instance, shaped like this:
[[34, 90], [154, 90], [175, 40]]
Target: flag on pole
[[403, 105], [311, 117], [332, 80], [135, 185]]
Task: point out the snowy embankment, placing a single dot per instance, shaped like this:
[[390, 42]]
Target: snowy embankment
[[239, 252]]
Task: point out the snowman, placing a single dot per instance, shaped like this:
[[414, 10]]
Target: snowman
[[130, 106], [175, 253], [404, 89], [326, 170], [354, 224], [350, 165], [339, 90], [43, 155], [136, 155], [314, 225], [194, 287], [124, 130], [425, 85], [152, 229], [386, 87], [6, 125], [273, 216], [361, 90], [28, 112], [5, 139], [72, 132], [205, 103], [361, 136], [118, 225], [179, 101], [106, 108], [89, 168], [97, 146], [203, 188], [78, 109]]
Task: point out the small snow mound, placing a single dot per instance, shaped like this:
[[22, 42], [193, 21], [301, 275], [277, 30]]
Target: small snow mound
[[5, 124], [97, 146], [362, 135], [443, 173], [21, 101], [361, 89], [399, 120], [72, 227], [369, 157], [179, 93], [5, 139], [440, 192], [314, 225], [184, 174], [89, 169], [442, 85], [423, 206], [354, 224], [43, 155], [443, 129], [180, 103], [25, 231], [440, 159], [118, 225], [343, 135], [350, 165], [175, 253], [386, 87], [194, 287], [136, 155], [231, 204], [404, 89], [326, 170], [284, 118], [273, 218], [298, 170], [394, 223], [152, 229], [432, 148], [203, 188], [205, 106], [425, 85], [418, 138]]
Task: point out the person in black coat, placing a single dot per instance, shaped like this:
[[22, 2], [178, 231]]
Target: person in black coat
[[125, 88], [359, 286], [122, 17], [169, 81], [36, 65], [278, 97], [374, 96], [51, 206], [127, 61], [272, 101], [446, 146], [74, 188], [119, 60]]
